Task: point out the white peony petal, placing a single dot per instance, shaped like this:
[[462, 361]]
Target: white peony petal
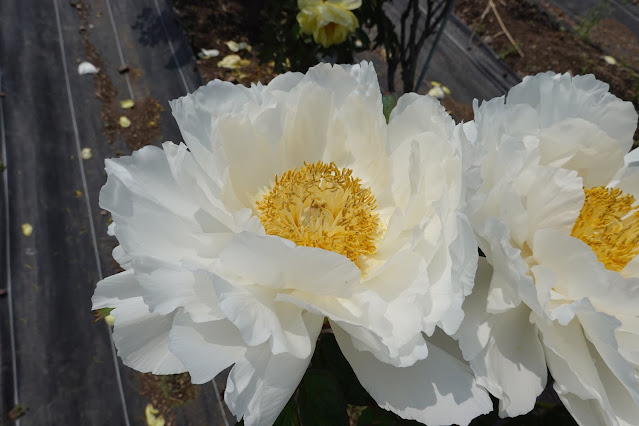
[[120, 256], [628, 338], [437, 390], [389, 350], [632, 156], [579, 274], [559, 96], [570, 361], [195, 183], [503, 349], [415, 114], [153, 216], [464, 256], [624, 404], [357, 140], [260, 384], [166, 287], [205, 348], [510, 283], [344, 80], [585, 411], [270, 140], [195, 112], [142, 338], [617, 409], [579, 145], [599, 328], [114, 289], [260, 318], [364, 308], [629, 181], [554, 198], [277, 263], [425, 166]]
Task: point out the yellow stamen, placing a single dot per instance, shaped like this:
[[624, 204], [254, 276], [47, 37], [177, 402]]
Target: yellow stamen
[[609, 224], [322, 206]]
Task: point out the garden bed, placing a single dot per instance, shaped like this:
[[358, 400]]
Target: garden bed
[[549, 39]]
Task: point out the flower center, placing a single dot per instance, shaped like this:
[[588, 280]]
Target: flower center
[[609, 224], [320, 205]]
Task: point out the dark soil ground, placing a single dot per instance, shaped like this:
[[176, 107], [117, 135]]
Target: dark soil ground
[[144, 116], [549, 40], [167, 392], [210, 24]]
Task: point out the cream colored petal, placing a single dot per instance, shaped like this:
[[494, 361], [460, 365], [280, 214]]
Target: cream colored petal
[[579, 145], [504, 350], [141, 337], [559, 96], [579, 274], [260, 385], [205, 348], [438, 390]]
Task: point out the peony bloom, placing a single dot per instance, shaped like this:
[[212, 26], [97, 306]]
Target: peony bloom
[[329, 21], [556, 218], [288, 204]]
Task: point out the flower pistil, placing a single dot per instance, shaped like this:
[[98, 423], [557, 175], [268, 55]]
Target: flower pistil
[[609, 224], [320, 205]]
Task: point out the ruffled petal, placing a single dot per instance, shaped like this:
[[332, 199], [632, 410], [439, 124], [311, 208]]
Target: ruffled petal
[[628, 338], [152, 214], [389, 350], [579, 274], [438, 390], [553, 199], [167, 287], [503, 349], [619, 409], [577, 144], [260, 318], [260, 384], [141, 337], [570, 361], [205, 348], [557, 97], [217, 202], [278, 263], [510, 283], [600, 328]]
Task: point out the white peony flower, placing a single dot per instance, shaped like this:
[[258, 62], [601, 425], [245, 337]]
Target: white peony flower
[[559, 287], [290, 203]]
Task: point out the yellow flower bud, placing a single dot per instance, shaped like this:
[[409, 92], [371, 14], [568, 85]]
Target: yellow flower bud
[[329, 21]]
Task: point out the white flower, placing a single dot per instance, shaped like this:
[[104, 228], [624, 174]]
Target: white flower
[[290, 203], [560, 285]]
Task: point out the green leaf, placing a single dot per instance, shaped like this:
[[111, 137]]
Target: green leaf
[[321, 401], [103, 312], [288, 416], [388, 101]]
